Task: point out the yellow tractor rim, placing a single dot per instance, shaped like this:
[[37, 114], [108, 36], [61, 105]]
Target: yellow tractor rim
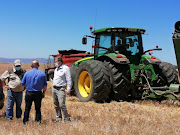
[[84, 84]]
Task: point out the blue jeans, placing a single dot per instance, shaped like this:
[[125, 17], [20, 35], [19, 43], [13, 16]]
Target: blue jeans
[[11, 98]]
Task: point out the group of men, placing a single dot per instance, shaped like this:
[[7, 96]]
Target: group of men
[[35, 84]]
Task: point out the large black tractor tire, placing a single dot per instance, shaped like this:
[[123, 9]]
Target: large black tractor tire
[[166, 74], [92, 82], [120, 79], [73, 71]]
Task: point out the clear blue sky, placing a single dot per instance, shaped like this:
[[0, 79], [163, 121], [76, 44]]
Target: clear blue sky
[[38, 28]]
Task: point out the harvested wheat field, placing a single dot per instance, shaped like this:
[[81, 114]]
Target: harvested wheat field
[[122, 118]]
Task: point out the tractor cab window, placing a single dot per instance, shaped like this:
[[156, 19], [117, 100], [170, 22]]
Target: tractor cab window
[[103, 41], [127, 44]]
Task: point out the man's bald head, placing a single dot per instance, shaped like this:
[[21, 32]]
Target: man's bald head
[[35, 64]]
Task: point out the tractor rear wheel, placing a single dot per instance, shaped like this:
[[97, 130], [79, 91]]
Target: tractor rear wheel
[[92, 82], [120, 80], [166, 74]]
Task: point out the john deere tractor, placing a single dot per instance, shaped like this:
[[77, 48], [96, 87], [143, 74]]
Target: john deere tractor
[[120, 69]]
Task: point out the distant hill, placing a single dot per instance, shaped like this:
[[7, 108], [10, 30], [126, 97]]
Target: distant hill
[[23, 60]]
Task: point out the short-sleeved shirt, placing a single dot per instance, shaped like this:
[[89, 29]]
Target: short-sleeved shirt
[[62, 77], [34, 80], [14, 79]]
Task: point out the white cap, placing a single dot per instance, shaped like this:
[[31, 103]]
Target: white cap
[[17, 63]]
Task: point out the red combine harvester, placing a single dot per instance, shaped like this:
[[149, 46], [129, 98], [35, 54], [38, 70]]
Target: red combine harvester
[[69, 57]]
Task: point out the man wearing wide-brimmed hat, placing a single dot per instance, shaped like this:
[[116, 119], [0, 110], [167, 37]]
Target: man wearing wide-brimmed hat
[[14, 89]]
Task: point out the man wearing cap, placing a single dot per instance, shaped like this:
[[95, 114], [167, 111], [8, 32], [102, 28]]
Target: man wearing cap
[[14, 92]]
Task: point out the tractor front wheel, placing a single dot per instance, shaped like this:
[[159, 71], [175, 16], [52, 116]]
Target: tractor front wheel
[[92, 82]]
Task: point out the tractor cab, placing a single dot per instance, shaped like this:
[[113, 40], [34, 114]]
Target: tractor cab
[[119, 40]]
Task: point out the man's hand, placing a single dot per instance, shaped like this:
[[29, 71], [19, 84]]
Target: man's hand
[[6, 86], [43, 95], [68, 92], [24, 87]]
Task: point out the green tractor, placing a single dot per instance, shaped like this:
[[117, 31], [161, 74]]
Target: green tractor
[[120, 69]]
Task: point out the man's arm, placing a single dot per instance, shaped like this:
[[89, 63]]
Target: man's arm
[[44, 91], [23, 82], [69, 82], [24, 87], [3, 78], [45, 86]]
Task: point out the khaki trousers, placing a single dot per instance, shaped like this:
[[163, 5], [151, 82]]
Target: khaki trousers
[[59, 98]]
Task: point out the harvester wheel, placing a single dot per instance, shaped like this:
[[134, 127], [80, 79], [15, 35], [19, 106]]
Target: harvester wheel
[[166, 74], [92, 82], [120, 80], [73, 71], [51, 75]]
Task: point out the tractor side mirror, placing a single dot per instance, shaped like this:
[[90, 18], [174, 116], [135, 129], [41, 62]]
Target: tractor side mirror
[[84, 40]]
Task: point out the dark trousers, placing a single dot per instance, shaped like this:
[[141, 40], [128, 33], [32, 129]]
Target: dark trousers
[[35, 96]]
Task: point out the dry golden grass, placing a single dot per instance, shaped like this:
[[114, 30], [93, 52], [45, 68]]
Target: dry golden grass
[[124, 118], [121, 118]]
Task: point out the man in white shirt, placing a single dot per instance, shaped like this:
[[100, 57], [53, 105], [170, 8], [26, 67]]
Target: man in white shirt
[[61, 80]]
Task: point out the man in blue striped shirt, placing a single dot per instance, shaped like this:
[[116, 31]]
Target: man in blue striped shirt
[[34, 81]]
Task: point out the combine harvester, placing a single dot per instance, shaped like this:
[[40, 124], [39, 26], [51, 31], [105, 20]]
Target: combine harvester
[[68, 56], [120, 69]]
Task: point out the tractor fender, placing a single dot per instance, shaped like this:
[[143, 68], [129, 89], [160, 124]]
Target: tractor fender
[[116, 60], [152, 61]]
